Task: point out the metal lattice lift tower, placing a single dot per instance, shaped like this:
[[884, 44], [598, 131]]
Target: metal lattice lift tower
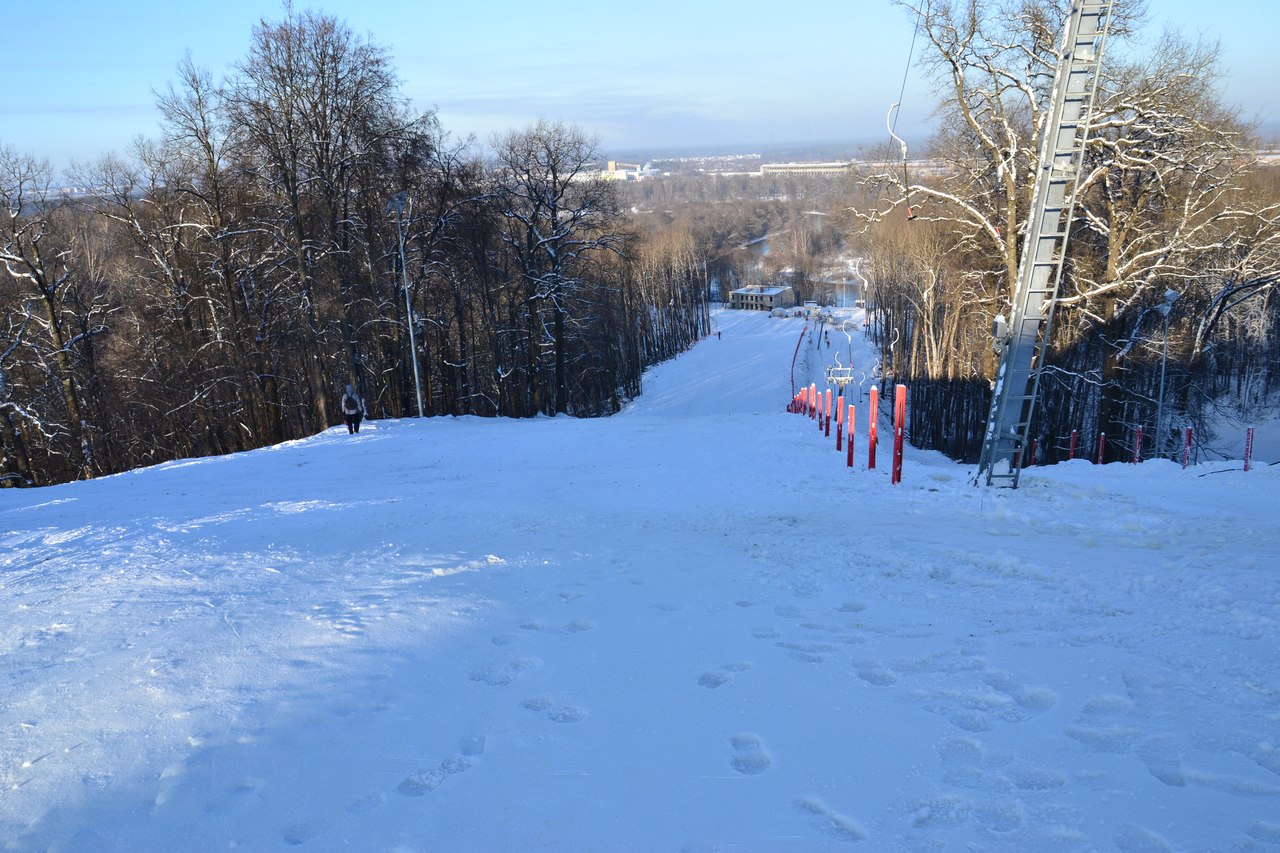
[[1021, 340]]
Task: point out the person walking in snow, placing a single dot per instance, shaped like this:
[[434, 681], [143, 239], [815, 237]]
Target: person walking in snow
[[352, 410]]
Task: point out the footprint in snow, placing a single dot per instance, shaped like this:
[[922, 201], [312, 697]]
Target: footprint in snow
[[836, 825], [722, 675], [713, 679], [301, 833], [557, 713], [576, 626], [877, 675], [807, 652], [1035, 699], [424, 782], [750, 758], [367, 803], [500, 675], [948, 810]]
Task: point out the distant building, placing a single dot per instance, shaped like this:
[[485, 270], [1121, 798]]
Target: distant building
[[805, 168], [629, 171], [760, 297]]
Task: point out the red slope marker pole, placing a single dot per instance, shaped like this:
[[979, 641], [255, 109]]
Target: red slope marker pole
[[899, 430], [839, 422], [1186, 449], [853, 419], [1071, 454], [871, 433], [1102, 446], [1248, 447], [1137, 447]]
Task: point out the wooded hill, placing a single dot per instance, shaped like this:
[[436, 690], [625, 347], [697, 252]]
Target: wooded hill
[[294, 222]]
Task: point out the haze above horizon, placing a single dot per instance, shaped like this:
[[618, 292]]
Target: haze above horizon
[[711, 74]]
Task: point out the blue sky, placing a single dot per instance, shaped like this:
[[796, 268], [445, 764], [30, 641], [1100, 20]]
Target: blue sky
[[660, 74]]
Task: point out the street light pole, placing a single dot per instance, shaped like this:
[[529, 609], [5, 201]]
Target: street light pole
[[398, 201], [1170, 296]]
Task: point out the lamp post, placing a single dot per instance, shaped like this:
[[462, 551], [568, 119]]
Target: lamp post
[[398, 201], [1170, 296]]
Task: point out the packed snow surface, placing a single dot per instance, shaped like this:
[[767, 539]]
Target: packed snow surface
[[689, 627]]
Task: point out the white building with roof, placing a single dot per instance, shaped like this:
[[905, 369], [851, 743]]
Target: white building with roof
[[762, 297]]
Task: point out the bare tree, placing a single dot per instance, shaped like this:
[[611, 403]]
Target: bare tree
[[16, 460], [316, 103], [40, 262], [1161, 203], [558, 216]]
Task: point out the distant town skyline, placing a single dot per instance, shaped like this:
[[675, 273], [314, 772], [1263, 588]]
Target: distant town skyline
[[679, 75]]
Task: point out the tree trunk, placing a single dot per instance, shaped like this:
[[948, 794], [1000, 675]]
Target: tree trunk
[[562, 386], [15, 451], [70, 397]]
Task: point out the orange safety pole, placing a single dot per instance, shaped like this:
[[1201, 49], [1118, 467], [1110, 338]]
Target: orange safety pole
[[899, 430], [871, 433], [827, 429], [813, 401]]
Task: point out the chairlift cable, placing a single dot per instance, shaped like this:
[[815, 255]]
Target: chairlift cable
[[891, 120]]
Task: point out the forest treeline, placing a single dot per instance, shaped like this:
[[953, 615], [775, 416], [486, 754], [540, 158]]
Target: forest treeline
[[295, 227], [1173, 208]]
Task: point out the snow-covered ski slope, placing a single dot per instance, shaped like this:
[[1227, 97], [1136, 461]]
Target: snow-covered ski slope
[[685, 628]]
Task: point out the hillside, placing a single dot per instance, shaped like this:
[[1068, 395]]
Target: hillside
[[688, 627]]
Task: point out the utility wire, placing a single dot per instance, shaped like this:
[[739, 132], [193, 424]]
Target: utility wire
[[896, 110]]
